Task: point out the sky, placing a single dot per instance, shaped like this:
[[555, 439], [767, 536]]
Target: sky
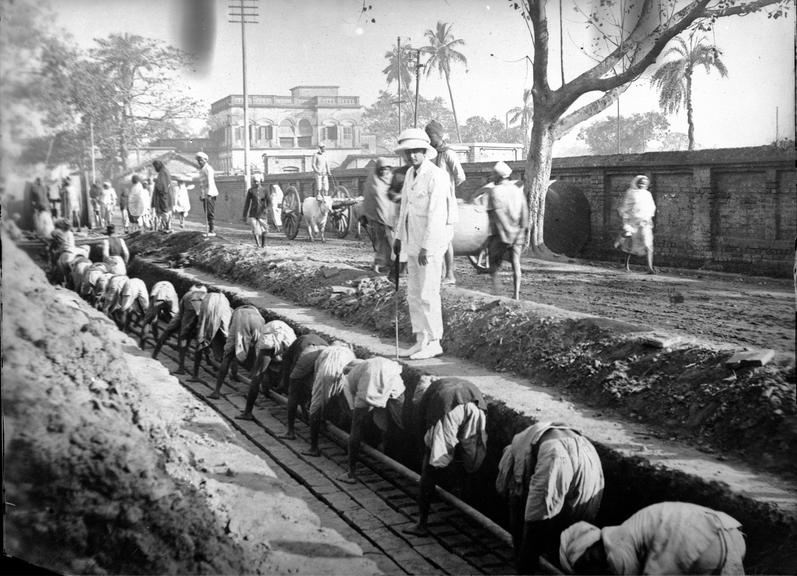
[[329, 42]]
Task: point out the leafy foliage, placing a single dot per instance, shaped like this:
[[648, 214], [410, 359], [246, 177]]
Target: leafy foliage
[[636, 131], [442, 55]]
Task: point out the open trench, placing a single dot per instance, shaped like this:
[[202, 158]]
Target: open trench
[[460, 541]]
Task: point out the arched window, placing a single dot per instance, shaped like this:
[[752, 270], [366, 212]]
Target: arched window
[[265, 134], [305, 133], [287, 134]]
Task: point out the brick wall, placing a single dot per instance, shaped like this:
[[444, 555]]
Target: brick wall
[[732, 210]]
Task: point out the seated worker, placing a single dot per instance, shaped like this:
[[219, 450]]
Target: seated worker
[[298, 369], [451, 416], [664, 538], [111, 298], [212, 330], [330, 367], [163, 305], [186, 321], [551, 477], [276, 339], [134, 301], [246, 325], [372, 388]]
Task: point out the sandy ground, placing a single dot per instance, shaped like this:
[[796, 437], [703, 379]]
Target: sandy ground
[[110, 466]]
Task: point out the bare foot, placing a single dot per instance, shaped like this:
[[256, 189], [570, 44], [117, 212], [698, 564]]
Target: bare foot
[[312, 452], [245, 416], [449, 281], [195, 379], [347, 479], [214, 396], [179, 370], [288, 436], [417, 530]]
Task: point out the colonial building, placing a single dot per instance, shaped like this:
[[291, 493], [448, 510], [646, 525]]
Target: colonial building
[[284, 131]]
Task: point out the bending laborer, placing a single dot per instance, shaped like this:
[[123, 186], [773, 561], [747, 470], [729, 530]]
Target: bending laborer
[[637, 211], [182, 202], [321, 171], [256, 208], [276, 339], [162, 196], [134, 302], [163, 305], [380, 211], [246, 325], [78, 268], [451, 414], [63, 249], [207, 190], [212, 330], [186, 322], [99, 287], [330, 366], [298, 369], [447, 160], [423, 238], [551, 477], [509, 218], [372, 388], [111, 300], [664, 538], [90, 284]]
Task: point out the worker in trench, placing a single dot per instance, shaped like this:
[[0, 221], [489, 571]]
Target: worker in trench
[[450, 416], [212, 330], [551, 477], [133, 303], [163, 305], [275, 340], [326, 393], [373, 389], [111, 299], [240, 347], [185, 323], [664, 538]]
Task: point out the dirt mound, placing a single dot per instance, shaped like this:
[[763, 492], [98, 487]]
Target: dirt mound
[[684, 392], [111, 467]]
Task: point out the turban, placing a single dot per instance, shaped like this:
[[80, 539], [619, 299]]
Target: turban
[[502, 169], [574, 541], [202, 155]]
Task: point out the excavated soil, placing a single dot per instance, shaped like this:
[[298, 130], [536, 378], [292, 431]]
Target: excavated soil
[[111, 467], [681, 389]]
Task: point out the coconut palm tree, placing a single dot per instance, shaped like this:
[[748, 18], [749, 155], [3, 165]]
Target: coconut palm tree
[[673, 79], [400, 68], [524, 114], [441, 50]]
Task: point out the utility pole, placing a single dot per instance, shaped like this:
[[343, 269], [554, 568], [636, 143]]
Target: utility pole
[[398, 75], [93, 167], [418, 67], [244, 12]]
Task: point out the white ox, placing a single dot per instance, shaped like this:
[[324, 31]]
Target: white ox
[[315, 211]]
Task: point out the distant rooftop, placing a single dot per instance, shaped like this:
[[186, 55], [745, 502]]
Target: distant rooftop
[[301, 97]]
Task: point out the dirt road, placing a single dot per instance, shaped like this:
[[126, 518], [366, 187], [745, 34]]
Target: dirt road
[[728, 310]]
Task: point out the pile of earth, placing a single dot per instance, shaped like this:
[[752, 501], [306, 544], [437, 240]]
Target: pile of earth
[[685, 392], [103, 472]]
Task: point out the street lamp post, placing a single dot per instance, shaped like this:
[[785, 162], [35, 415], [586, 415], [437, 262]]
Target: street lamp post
[[244, 12]]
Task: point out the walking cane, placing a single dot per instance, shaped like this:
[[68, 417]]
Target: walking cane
[[396, 266]]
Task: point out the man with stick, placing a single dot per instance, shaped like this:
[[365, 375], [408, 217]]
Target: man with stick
[[208, 191]]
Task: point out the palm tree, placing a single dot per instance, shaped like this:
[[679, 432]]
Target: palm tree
[[442, 56], [674, 78], [400, 68], [524, 114]]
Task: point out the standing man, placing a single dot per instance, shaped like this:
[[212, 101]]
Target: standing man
[[70, 199], [509, 218], [109, 200], [321, 171], [256, 208], [207, 190], [95, 198], [381, 213], [448, 161], [38, 196], [162, 196], [124, 210], [423, 239]]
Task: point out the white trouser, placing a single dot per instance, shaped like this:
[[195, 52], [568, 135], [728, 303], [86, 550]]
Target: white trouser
[[423, 295]]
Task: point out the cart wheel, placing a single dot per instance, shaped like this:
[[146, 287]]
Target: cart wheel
[[291, 201], [290, 225], [340, 222], [481, 260]]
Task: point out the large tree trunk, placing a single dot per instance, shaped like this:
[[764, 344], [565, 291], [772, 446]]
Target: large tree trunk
[[536, 180], [690, 110], [453, 109]]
